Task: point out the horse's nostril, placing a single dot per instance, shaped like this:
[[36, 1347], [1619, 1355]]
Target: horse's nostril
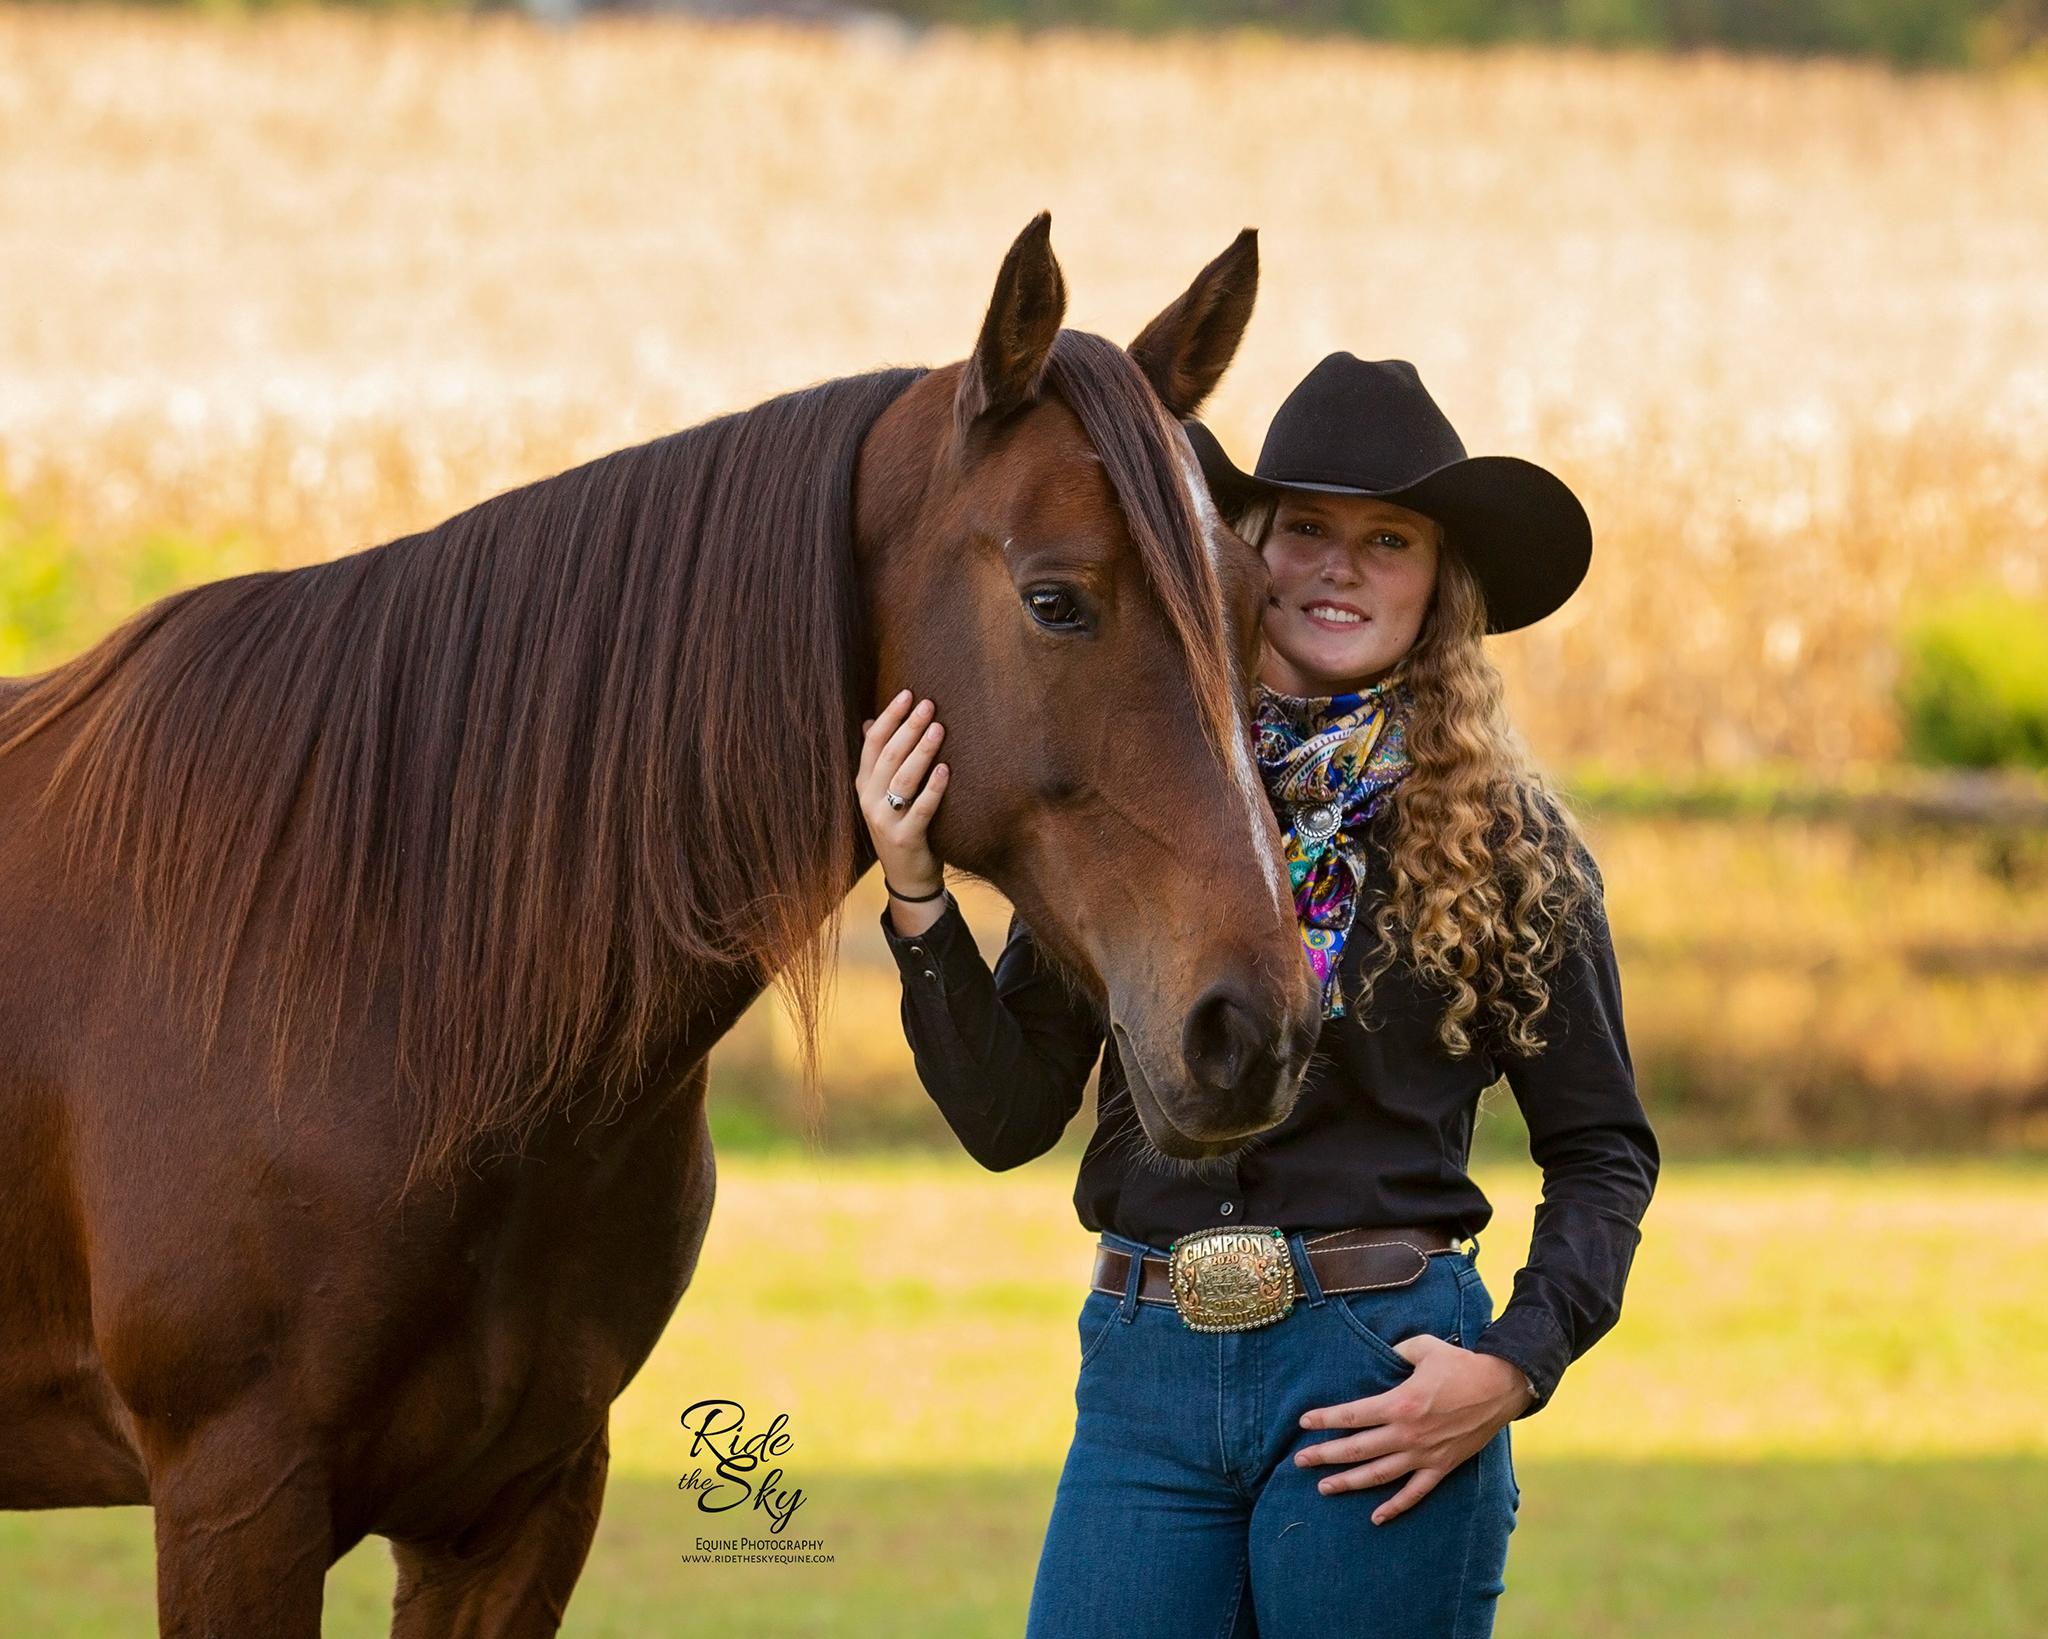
[[1222, 1041]]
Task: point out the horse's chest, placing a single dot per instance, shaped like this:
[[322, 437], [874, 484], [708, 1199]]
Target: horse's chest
[[546, 1299]]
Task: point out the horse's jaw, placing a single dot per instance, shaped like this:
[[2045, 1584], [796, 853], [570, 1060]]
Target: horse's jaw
[[1169, 1138]]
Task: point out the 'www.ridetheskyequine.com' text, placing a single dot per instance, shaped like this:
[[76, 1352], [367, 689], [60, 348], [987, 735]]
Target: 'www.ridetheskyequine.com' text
[[758, 1551]]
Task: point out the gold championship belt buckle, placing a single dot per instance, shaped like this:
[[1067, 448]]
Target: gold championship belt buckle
[[1232, 1280]]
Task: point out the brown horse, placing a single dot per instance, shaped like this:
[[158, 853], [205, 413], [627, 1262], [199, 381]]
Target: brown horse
[[364, 930]]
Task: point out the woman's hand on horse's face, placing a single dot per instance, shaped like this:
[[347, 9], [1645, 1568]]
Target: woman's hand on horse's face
[[1444, 1414], [896, 755]]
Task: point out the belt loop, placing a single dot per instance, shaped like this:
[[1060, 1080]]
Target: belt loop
[[1128, 1310], [1305, 1270]]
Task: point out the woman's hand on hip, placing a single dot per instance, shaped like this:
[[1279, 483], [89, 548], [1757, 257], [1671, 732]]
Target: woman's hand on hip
[[896, 755], [1444, 1414]]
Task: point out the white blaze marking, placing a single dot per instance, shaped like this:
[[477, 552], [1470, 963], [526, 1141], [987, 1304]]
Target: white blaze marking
[[1249, 789]]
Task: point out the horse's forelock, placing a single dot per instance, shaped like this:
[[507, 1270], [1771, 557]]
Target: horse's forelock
[[1141, 451]]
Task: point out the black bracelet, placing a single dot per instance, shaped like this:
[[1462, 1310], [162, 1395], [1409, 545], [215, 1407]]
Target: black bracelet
[[915, 898]]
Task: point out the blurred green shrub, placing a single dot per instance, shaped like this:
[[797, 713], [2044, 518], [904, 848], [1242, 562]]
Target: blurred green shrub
[[58, 595], [39, 587], [1974, 690]]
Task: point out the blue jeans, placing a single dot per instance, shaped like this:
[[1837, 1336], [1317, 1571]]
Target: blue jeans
[[1181, 1514]]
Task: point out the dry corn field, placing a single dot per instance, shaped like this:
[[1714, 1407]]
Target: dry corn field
[[304, 283], [271, 290]]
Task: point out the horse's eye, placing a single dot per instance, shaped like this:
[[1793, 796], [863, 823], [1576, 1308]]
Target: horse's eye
[[1054, 609]]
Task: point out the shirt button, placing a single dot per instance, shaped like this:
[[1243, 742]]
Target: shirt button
[[1226, 1209], [917, 950], [929, 974]]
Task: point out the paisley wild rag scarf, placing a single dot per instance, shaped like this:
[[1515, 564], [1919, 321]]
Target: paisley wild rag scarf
[[1328, 766]]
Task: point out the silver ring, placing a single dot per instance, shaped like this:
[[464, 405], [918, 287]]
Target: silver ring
[[895, 802]]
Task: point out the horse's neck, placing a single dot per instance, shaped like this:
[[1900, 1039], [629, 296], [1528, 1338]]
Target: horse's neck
[[721, 993], [719, 997]]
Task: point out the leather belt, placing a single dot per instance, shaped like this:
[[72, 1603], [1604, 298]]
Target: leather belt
[[1351, 1260]]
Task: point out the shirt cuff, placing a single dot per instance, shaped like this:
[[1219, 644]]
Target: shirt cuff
[[1529, 1339], [931, 961]]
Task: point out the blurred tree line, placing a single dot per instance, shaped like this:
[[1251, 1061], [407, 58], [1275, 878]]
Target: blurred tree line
[[1908, 32]]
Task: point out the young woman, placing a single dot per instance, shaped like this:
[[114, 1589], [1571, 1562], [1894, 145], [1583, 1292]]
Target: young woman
[[1300, 1428]]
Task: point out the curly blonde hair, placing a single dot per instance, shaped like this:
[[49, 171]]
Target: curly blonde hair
[[1489, 869]]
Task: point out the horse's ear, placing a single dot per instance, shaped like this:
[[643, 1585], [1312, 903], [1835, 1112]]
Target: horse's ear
[[1016, 337], [1185, 351]]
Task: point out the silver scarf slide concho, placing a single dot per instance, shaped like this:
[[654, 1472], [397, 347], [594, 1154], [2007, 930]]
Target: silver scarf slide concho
[[1315, 824], [1232, 1280]]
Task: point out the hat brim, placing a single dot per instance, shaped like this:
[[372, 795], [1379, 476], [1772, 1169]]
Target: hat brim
[[1519, 527]]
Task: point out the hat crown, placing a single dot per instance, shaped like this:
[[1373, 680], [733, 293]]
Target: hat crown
[[1358, 425]]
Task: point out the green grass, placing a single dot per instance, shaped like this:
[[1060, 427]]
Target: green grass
[[1823, 1550], [1821, 1415]]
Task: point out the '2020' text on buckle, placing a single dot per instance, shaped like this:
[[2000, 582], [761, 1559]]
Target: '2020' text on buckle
[[1232, 1280]]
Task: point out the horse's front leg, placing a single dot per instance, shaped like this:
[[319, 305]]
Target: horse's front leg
[[244, 1535], [509, 1576]]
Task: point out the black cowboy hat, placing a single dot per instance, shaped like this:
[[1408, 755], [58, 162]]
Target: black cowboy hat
[[1353, 428]]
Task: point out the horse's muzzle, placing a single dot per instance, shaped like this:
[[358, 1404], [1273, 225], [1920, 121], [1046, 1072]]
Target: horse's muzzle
[[1239, 1075]]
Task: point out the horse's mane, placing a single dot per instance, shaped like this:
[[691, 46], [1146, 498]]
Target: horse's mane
[[534, 763]]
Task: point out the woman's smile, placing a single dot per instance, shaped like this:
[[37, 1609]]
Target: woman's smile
[[1337, 617]]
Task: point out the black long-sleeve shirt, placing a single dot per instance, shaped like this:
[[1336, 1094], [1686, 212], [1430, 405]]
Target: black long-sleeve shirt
[[1379, 1137]]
